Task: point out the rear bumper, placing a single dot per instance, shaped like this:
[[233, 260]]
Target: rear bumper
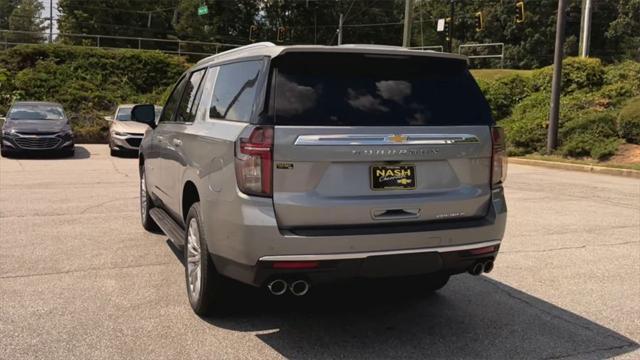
[[247, 242], [449, 260]]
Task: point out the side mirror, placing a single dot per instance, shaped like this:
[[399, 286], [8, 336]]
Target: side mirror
[[108, 118], [145, 114]]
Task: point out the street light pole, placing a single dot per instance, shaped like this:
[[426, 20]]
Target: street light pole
[[585, 34], [408, 10], [554, 114], [340, 30], [451, 22], [50, 21]]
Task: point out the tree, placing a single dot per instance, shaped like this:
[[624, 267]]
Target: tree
[[625, 29], [26, 17], [316, 22], [6, 9], [132, 18], [226, 21]]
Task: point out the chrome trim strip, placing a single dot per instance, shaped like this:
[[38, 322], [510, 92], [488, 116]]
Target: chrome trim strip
[[362, 255], [35, 136], [128, 136], [385, 139]]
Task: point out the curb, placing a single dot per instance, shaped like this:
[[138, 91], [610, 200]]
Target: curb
[[577, 167]]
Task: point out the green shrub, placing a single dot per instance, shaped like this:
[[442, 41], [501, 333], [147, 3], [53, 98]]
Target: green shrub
[[597, 124], [504, 93], [6, 88], [585, 144], [593, 134], [629, 121], [89, 79], [526, 129], [585, 124], [88, 82], [577, 74], [624, 72], [89, 128]]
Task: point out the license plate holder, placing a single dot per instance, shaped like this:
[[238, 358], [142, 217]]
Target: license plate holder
[[393, 177]]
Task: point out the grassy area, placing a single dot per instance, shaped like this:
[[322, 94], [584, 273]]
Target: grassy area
[[555, 158], [494, 74]]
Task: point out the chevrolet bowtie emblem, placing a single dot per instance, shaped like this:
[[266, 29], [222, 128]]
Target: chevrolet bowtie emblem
[[397, 138]]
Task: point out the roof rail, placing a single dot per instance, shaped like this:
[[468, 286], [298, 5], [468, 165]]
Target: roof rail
[[241, 48]]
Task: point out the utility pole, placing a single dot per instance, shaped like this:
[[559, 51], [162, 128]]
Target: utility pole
[[340, 30], [408, 10], [50, 21], [585, 28], [453, 11], [552, 136]]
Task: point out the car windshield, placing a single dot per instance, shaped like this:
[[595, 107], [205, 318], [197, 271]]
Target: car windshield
[[36, 112], [124, 113], [376, 90]]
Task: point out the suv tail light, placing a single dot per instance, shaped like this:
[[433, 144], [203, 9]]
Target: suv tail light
[[498, 157], [254, 160]]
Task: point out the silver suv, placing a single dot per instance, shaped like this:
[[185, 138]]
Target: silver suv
[[287, 166]]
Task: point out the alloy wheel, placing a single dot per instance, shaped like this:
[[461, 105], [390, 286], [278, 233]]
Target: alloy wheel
[[194, 269]]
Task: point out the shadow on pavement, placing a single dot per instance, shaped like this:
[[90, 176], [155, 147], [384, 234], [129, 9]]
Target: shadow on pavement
[[80, 153], [133, 154], [472, 317]]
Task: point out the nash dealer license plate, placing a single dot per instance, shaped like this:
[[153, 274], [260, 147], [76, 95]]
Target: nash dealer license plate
[[393, 177]]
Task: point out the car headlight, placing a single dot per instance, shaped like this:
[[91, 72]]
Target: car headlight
[[119, 133], [8, 132]]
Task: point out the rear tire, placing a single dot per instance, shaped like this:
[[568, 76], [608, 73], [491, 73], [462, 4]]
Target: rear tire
[[206, 288], [146, 205]]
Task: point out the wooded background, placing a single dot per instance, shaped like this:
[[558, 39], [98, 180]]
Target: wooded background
[[615, 34]]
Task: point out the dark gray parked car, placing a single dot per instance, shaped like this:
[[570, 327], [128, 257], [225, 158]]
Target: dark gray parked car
[[35, 126], [288, 166]]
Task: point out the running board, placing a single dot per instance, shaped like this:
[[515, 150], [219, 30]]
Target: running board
[[168, 226]]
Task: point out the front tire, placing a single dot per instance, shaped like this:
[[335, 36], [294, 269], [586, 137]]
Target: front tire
[[206, 288], [146, 205]]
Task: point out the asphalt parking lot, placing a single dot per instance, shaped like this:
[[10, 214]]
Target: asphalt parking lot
[[81, 279]]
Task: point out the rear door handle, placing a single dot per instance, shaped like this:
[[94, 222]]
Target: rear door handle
[[177, 142], [388, 214]]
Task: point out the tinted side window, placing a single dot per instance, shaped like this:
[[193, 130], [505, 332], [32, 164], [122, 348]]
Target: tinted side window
[[172, 103], [235, 91], [187, 110]]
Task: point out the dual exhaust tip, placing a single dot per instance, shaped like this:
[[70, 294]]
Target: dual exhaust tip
[[480, 267], [279, 287]]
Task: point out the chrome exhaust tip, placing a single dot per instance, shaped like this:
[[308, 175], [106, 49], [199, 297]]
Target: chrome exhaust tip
[[299, 287], [476, 269], [277, 287], [488, 266]]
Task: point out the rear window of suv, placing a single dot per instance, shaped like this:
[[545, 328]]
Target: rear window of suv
[[375, 90]]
